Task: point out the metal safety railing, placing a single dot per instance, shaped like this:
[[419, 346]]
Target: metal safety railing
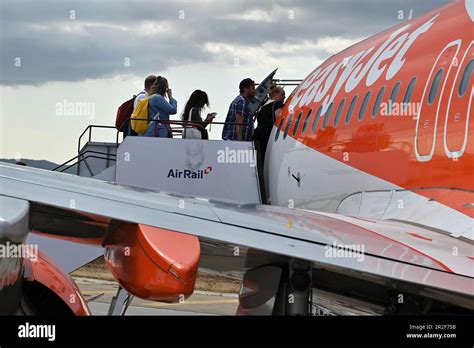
[[82, 157], [89, 129], [181, 125], [291, 82], [176, 128]]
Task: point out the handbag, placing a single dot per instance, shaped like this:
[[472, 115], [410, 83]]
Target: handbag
[[191, 132]]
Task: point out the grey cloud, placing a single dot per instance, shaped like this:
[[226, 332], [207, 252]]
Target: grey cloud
[[99, 51]]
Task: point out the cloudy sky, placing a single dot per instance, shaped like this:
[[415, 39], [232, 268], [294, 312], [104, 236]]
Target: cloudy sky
[[96, 53]]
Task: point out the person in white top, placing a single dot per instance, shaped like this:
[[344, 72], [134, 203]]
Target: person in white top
[[144, 93], [192, 113]]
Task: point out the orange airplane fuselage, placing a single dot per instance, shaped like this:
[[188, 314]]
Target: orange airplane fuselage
[[395, 107]]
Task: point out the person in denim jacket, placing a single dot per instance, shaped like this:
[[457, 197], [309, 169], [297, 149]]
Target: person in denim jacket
[[160, 109]]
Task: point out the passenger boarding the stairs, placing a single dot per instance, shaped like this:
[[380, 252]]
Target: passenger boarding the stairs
[[160, 109], [192, 113], [239, 123]]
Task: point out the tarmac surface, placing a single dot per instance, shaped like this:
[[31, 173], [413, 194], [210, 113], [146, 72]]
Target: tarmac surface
[[200, 303]]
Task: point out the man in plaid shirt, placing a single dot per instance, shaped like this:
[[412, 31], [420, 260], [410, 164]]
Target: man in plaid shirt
[[241, 123]]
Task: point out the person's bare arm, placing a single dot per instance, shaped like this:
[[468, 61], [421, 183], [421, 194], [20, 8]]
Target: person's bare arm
[[277, 112], [239, 119], [210, 117]]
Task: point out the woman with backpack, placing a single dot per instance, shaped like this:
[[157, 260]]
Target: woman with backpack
[[160, 109], [192, 113]]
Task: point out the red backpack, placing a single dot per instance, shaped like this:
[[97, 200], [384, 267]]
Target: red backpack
[[124, 112]]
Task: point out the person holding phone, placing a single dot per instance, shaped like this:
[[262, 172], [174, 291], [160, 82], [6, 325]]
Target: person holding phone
[[192, 113], [160, 109]]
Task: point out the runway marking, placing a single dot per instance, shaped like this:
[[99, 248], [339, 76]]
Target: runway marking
[[93, 292], [163, 304], [160, 304]]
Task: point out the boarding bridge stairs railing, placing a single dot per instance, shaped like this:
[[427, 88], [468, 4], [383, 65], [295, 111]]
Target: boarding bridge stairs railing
[[214, 169]]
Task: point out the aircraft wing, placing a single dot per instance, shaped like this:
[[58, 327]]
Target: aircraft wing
[[378, 251]]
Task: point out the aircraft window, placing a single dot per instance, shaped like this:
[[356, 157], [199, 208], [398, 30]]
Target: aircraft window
[[306, 121], [327, 116], [351, 108], [378, 101], [466, 77], [339, 112], [393, 95], [316, 119], [409, 91], [435, 86], [363, 107], [277, 133], [297, 123], [287, 128]]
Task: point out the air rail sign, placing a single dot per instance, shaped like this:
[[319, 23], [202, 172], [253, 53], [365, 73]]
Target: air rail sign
[[214, 169]]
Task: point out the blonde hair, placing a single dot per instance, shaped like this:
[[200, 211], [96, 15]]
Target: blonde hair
[[159, 86], [274, 90]]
